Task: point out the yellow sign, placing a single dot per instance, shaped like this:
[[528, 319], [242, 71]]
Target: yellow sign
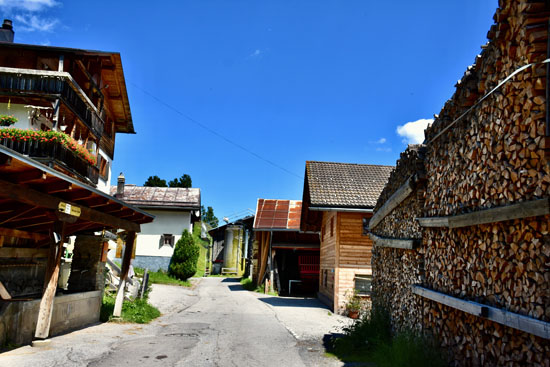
[[69, 209]]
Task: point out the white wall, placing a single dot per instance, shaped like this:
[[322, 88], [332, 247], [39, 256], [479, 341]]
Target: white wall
[[166, 222], [105, 185], [20, 112]]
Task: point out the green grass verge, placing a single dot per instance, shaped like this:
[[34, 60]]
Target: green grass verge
[[161, 277], [204, 250], [369, 340], [250, 286], [138, 311]]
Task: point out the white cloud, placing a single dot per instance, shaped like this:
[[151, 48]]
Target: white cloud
[[381, 141], [256, 53], [31, 23], [28, 5], [383, 149], [413, 132]]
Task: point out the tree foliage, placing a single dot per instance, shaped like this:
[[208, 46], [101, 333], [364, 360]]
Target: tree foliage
[[183, 264], [155, 181], [207, 216], [183, 181]]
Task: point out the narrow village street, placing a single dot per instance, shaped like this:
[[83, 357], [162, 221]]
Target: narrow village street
[[217, 323]]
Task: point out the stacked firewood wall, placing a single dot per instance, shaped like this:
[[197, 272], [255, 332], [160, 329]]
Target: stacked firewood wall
[[480, 156], [395, 270]]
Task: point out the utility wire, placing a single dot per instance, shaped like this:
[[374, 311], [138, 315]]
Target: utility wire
[[214, 132]]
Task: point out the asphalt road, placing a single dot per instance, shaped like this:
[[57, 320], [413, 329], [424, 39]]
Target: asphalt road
[[217, 323]]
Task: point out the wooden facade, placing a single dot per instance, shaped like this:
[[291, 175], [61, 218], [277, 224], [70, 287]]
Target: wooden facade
[[346, 252]]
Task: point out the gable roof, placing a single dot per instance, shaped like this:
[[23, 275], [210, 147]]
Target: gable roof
[[161, 197], [282, 215], [344, 185]]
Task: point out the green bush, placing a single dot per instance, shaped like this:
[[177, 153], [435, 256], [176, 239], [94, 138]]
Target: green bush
[[183, 264]]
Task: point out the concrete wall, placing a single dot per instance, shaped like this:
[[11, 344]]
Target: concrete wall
[[70, 312], [153, 263]]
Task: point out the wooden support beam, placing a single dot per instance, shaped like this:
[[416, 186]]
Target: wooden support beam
[[407, 244], [16, 214], [16, 252], [55, 187], [393, 202], [8, 232], [27, 176], [33, 197], [50, 286], [4, 294], [504, 317], [533, 208], [125, 267]]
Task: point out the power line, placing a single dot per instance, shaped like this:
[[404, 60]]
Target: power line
[[214, 132]]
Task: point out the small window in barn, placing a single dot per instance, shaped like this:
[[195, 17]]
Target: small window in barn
[[331, 226], [363, 284], [168, 240], [366, 226]]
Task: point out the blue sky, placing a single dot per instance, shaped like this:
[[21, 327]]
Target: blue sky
[[288, 81]]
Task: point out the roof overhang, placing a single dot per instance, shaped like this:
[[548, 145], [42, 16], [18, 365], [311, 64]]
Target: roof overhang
[[32, 195], [340, 209]]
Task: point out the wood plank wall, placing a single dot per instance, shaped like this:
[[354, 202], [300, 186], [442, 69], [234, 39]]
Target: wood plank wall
[[328, 256], [354, 255]]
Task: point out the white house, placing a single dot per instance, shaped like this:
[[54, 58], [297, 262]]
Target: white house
[[175, 210]]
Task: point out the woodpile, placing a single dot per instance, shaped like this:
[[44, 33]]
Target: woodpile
[[479, 153]]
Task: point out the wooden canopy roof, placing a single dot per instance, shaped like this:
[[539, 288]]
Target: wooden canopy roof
[[33, 197]]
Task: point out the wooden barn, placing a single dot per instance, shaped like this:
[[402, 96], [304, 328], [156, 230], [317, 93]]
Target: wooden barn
[[284, 256], [338, 201]]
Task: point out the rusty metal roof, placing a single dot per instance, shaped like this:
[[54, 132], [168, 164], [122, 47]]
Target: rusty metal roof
[[161, 197], [282, 215], [345, 185]]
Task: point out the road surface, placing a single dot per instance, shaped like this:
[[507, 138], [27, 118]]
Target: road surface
[[217, 323]]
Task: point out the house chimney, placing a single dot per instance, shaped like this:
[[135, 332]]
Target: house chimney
[[120, 186], [6, 32]]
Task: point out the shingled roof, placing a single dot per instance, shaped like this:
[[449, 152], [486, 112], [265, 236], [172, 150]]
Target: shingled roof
[[344, 185], [161, 197]]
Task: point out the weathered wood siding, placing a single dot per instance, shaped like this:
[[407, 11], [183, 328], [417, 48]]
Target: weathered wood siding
[[354, 254], [328, 256]]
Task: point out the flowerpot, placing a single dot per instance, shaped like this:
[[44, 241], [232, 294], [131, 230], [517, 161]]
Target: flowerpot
[[353, 314]]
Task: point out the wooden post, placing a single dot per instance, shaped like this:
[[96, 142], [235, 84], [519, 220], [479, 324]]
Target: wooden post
[[50, 286], [126, 259]]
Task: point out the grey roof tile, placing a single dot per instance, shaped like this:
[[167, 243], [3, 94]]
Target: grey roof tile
[[161, 196], [345, 184]]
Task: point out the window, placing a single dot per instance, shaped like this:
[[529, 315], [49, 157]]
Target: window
[[363, 284], [166, 240], [103, 166], [366, 226], [331, 226]]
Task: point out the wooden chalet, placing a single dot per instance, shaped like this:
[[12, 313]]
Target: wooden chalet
[[69, 104], [338, 201], [285, 257]]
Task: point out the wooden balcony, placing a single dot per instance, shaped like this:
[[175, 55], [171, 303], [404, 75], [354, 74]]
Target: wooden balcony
[[52, 84], [55, 155]]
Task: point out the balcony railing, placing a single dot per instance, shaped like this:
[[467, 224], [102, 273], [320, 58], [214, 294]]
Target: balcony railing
[[56, 83], [54, 152]]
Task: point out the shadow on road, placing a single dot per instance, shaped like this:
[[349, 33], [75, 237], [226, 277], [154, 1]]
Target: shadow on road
[[293, 302], [231, 280], [236, 287]]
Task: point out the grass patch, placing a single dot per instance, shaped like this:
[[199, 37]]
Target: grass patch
[[369, 340], [204, 246], [162, 277], [250, 286], [138, 311]]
